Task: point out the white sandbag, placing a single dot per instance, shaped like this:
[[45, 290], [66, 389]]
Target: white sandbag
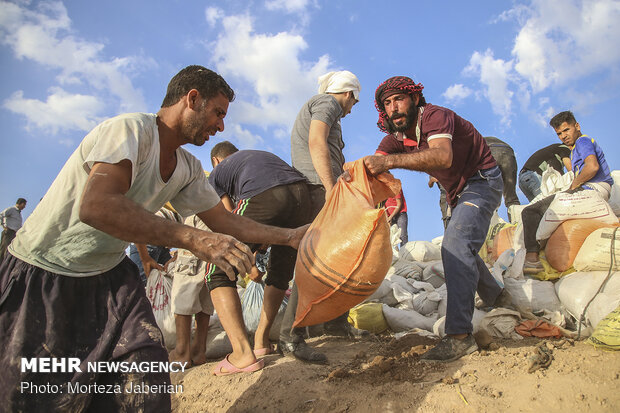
[[579, 205], [406, 269], [442, 307], [438, 240], [159, 293], [515, 270], [420, 251], [514, 212], [402, 281], [402, 295], [614, 197], [501, 323], [384, 288], [426, 302], [595, 253], [218, 344], [439, 327], [251, 307], [395, 241], [434, 274], [577, 289], [533, 295], [552, 181], [404, 320], [502, 265]]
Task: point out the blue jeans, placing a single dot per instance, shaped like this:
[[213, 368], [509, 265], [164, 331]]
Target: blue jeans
[[529, 182], [465, 271], [402, 221], [159, 254]]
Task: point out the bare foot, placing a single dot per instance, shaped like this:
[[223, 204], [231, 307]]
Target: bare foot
[[198, 357], [240, 361], [180, 357]]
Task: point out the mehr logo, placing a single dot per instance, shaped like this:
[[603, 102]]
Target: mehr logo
[[51, 365]]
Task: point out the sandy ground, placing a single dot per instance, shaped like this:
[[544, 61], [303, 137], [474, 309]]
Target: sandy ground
[[380, 373]]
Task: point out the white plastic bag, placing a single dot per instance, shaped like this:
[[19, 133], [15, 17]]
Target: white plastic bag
[[404, 320], [614, 197], [577, 289], [159, 293], [251, 307], [420, 251], [533, 295], [585, 204], [553, 181], [595, 253]]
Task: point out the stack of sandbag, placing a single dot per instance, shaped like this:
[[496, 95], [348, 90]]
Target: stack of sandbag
[[581, 289], [566, 241], [600, 251]]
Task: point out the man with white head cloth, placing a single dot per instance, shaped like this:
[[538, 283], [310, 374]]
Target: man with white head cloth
[[316, 151]]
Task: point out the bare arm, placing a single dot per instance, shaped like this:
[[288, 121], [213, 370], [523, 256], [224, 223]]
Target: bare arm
[[148, 263], [437, 156], [319, 152], [105, 207], [567, 164], [247, 230], [397, 208], [228, 203], [590, 168]]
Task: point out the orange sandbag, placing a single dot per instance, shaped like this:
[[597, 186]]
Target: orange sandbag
[[346, 252], [503, 241], [565, 242], [538, 328]]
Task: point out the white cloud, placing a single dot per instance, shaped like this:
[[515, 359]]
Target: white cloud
[[290, 6], [61, 110], [44, 35], [494, 74], [561, 41], [457, 93], [213, 14], [266, 71]]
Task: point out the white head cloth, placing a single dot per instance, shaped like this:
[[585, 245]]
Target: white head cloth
[[339, 82]]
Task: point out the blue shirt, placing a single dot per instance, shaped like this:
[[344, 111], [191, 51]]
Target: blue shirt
[[584, 147]]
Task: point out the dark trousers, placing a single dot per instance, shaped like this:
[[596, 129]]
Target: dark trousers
[[467, 228], [402, 221], [531, 216], [105, 317], [7, 236], [505, 158]]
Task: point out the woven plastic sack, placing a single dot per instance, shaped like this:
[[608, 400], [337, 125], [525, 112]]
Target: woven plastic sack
[[567, 239], [614, 197], [596, 252], [369, 317], [579, 205], [159, 291], [346, 251], [503, 241], [251, 307], [607, 333]]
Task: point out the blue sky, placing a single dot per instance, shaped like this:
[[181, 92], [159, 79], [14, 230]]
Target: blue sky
[[505, 66]]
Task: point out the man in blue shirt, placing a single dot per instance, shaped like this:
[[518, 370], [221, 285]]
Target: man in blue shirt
[[591, 173]]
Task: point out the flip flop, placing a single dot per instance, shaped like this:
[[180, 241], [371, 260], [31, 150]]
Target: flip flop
[[231, 369], [264, 351]]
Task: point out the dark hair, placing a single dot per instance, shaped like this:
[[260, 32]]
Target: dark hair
[[20, 201], [205, 81], [223, 150], [566, 116]]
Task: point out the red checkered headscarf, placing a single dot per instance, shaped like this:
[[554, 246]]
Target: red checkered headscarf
[[392, 86]]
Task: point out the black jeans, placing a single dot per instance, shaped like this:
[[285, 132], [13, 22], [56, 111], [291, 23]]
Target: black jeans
[[505, 158]]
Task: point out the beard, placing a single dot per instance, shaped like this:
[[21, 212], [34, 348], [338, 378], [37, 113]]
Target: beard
[[410, 118]]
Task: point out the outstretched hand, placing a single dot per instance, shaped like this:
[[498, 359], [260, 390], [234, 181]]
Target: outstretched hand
[[226, 252], [376, 164]]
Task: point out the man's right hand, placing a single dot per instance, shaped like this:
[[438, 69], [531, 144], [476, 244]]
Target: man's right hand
[[227, 253]]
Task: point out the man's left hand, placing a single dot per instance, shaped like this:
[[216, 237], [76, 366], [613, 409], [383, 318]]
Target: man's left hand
[[376, 164]]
